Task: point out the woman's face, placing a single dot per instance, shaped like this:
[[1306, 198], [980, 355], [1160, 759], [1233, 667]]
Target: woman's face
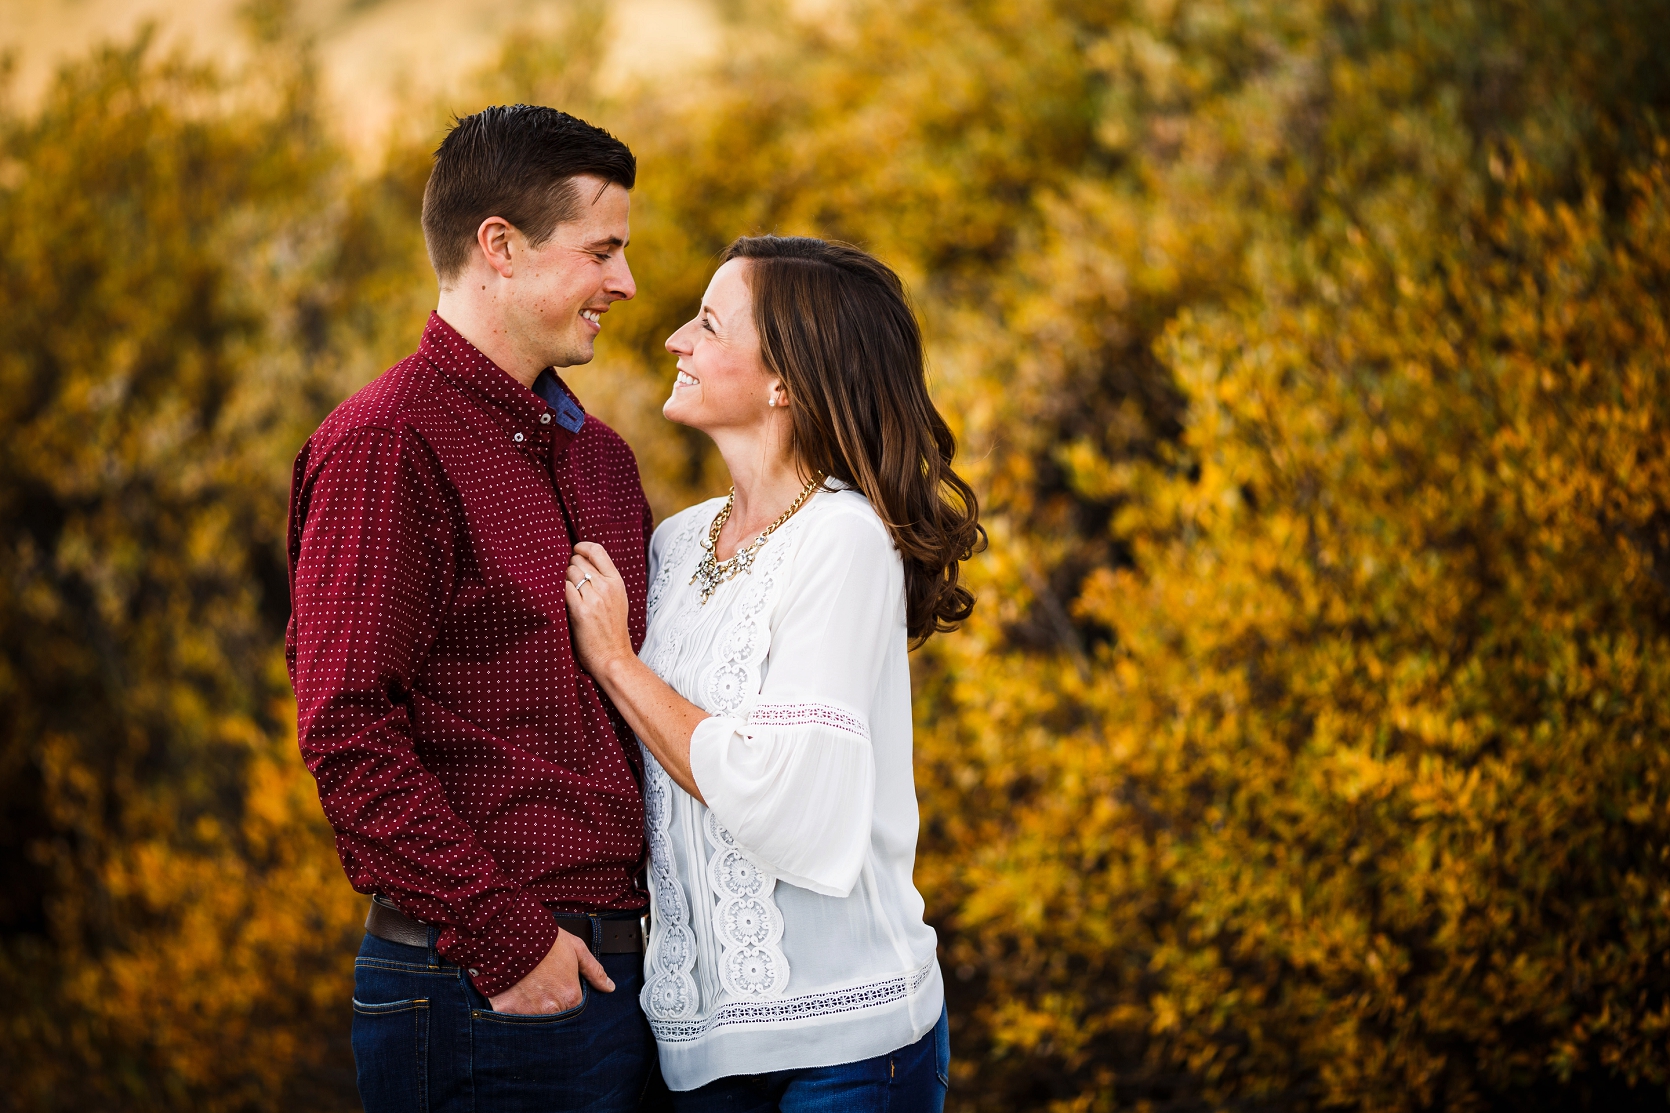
[[722, 384]]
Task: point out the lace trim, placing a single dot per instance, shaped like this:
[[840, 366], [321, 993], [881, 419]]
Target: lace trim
[[746, 920], [808, 714], [743, 646], [669, 991], [870, 996], [678, 552]]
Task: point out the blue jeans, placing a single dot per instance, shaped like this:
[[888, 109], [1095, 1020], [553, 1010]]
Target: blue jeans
[[426, 1041], [910, 1080]]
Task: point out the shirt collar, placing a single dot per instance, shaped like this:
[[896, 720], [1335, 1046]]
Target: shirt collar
[[565, 408], [549, 412]]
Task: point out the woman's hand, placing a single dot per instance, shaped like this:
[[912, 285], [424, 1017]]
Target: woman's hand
[[661, 718], [597, 609]]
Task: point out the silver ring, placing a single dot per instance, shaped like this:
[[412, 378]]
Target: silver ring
[[581, 586]]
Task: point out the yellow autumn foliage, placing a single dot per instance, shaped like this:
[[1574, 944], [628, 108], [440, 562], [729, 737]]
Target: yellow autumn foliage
[[1368, 804], [1307, 748]]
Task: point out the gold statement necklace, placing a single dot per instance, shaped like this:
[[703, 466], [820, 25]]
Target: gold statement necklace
[[711, 572]]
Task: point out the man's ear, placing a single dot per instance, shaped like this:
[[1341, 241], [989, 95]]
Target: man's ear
[[494, 238]]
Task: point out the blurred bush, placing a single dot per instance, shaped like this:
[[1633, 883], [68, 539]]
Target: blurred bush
[[1308, 747], [172, 923]]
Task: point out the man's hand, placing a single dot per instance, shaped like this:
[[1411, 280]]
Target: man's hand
[[554, 985]]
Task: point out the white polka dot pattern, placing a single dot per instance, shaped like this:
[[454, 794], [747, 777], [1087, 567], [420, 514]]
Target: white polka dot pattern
[[472, 773]]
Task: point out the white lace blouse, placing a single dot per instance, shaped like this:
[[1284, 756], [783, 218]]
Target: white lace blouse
[[786, 929]]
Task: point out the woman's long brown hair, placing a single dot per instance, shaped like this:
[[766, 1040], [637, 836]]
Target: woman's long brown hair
[[836, 327]]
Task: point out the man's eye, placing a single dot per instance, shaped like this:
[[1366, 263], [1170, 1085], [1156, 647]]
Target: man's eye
[[707, 324], [603, 256]]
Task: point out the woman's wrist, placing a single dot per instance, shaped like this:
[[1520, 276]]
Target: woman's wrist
[[612, 673]]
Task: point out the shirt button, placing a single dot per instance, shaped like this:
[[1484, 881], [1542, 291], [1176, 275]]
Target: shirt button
[[474, 972], [518, 438], [545, 419]]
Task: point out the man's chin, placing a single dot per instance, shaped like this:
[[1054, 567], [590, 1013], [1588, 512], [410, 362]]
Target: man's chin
[[576, 356]]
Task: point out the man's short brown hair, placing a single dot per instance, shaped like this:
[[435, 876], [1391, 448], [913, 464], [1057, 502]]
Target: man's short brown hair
[[517, 162]]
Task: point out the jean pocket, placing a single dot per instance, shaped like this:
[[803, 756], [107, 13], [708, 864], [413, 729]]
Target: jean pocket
[[391, 1054], [536, 1019], [363, 963], [523, 1061]]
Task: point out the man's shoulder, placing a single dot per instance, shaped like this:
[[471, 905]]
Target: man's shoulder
[[391, 403], [597, 438], [603, 455]]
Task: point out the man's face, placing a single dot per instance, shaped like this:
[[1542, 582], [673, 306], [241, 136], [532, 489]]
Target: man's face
[[565, 285]]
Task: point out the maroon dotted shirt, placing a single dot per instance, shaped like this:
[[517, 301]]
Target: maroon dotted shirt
[[474, 775]]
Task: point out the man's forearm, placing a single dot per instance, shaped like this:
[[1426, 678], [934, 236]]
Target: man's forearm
[[397, 835]]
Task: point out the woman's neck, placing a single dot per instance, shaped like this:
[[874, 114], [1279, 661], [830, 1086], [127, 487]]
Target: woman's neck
[[767, 483]]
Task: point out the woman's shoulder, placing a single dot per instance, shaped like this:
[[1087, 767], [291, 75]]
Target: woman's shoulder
[[842, 557], [842, 521]]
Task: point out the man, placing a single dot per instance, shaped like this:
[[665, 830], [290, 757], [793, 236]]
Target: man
[[479, 784]]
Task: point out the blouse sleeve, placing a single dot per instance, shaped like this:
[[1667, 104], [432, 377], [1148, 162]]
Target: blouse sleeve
[[793, 778]]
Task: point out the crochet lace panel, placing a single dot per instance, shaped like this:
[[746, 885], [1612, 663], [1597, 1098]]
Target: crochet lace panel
[[774, 714], [746, 919], [866, 996]]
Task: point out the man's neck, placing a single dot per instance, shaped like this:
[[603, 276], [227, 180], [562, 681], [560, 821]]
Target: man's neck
[[482, 324]]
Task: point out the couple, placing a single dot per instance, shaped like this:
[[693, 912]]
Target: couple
[[537, 725]]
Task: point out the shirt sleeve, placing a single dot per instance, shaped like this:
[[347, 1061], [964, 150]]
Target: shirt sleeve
[[374, 567], [793, 778]]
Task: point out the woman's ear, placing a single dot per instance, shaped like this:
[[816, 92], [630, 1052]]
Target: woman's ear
[[779, 396]]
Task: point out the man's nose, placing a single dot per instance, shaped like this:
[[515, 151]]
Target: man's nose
[[621, 284]]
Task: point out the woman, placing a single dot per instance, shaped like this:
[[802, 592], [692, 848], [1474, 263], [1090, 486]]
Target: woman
[[788, 963]]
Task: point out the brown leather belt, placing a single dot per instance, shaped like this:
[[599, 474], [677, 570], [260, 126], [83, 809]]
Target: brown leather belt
[[620, 936]]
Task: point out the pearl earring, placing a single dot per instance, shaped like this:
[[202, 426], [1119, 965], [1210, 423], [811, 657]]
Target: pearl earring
[[771, 401]]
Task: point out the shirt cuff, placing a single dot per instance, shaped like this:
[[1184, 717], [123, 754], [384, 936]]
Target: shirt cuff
[[507, 947]]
